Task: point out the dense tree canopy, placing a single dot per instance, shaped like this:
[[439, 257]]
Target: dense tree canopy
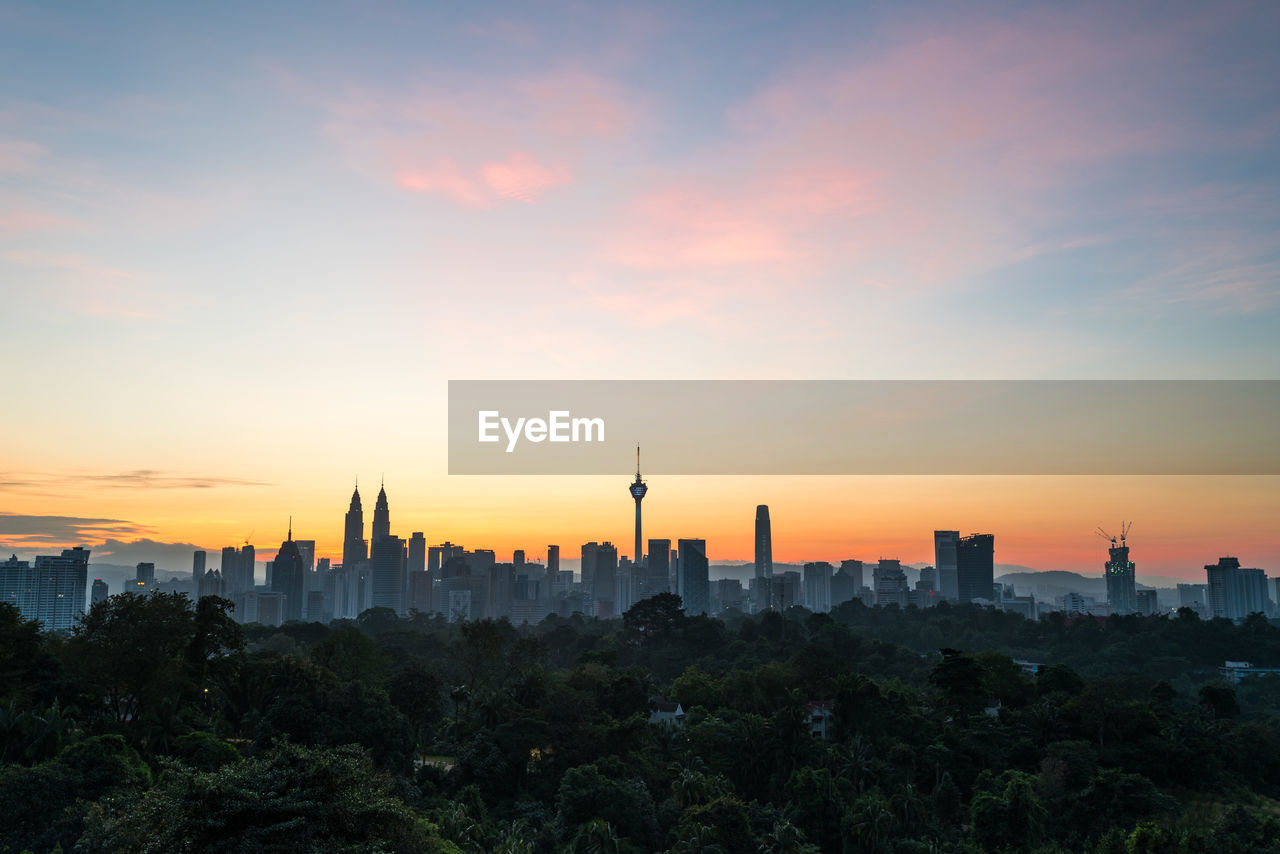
[[160, 725]]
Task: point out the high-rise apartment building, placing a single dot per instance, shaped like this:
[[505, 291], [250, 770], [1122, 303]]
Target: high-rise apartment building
[[817, 586], [600, 576], [692, 575], [889, 583], [52, 591], [975, 567], [390, 582], [945, 545], [1234, 592]]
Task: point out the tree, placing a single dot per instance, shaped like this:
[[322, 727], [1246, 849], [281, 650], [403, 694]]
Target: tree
[[419, 695], [595, 837], [131, 651], [1006, 814], [785, 838], [727, 817], [655, 619], [25, 661], [1220, 701], [960, 680], [586, 794], [41, 803], [295, 799]]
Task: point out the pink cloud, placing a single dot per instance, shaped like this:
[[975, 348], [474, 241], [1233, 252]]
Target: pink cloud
[[953, 152], [518, 177], [648, 309], [482, 142], [764, 217], [446, 178], [26, 220], [522, 178]]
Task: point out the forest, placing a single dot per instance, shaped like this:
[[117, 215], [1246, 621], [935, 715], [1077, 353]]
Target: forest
[[161, 725]]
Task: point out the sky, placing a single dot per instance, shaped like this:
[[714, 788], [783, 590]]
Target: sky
[[244, 247]]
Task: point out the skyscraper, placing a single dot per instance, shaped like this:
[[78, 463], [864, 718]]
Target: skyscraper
[[230, 569], [638, 490], [146, 573], [975, 567], [817, 586], [1121, 585], [1235, 593], [847, 582], [287, 578], [381, 517], [764, 543], [553, 560], [692, 575], [945, 544], [307, 548], [100, 592], [600, 576], [354, 549], [197, 566], [890, 583], [658, 568], [387, 558], [52, 591], [248, 566], [417, 552], [210, 585]]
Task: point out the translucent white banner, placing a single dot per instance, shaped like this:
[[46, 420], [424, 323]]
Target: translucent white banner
[[865, 427]]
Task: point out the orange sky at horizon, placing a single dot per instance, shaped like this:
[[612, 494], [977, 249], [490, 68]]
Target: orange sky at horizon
[[1047, 523]]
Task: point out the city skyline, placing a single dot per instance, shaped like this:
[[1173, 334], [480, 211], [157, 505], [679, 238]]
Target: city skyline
[[917, 548], [203, 213], [404, 575]]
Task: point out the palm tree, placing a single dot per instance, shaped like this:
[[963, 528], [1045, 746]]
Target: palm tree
[[871, 821], [855, 765], [456, 825], [697, 839], [514, 840], [595, 837], [908, 808], [785, 838], [690, 788]]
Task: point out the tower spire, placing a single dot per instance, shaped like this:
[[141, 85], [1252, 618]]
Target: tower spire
[[290, 528], [637, 490]]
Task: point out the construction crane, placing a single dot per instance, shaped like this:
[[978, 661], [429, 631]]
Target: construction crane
[[249, 536], [1125, 527]]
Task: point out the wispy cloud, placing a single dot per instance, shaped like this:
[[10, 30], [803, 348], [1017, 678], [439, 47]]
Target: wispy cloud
[[136, 479], [949, 154], [12, 221], [89, 287], [19, 156], [477, 141]]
